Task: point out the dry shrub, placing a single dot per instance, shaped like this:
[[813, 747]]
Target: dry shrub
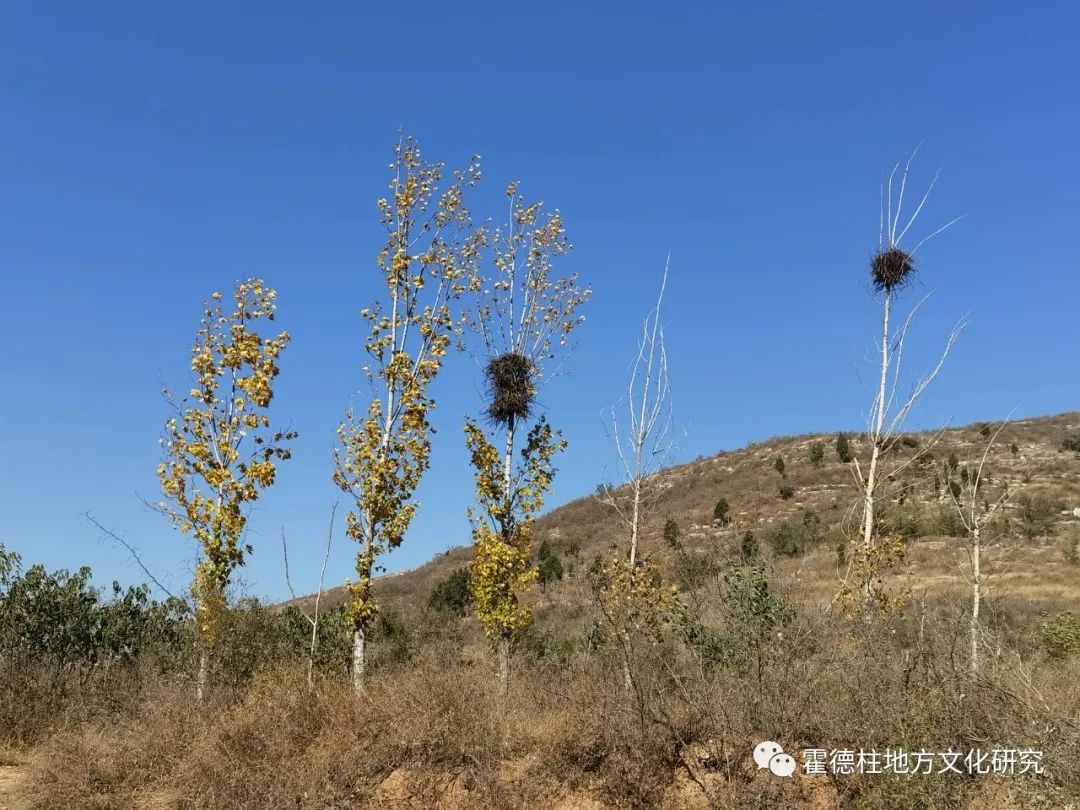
[[107, 764], [433, 734], [283, 747], [39, 699]]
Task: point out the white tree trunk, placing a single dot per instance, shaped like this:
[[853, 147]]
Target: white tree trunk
[[976, 597], [508, 459], [635, 520], [880, 406], [202, 677], [359, 663]]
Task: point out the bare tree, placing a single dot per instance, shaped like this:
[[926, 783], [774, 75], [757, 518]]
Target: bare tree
[[976, 515], [642, 442], [891, 269], [640, 430], [313, 617]]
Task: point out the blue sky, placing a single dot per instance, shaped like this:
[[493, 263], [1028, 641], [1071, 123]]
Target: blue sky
[[152, 153]]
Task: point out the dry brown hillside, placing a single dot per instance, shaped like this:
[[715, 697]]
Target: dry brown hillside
[[1026, 562], [604, 711]]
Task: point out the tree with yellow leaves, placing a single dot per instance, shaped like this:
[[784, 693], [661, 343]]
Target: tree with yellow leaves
[[502, 566], [523, 318], [219, 449], [427, 263]]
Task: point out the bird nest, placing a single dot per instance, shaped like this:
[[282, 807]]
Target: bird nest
[[510, 387], [891, 269]]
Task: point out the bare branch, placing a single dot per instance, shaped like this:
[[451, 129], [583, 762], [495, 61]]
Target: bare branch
[[131, 550]]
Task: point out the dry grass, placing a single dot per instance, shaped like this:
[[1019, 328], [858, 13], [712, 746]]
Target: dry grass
[[433, 734], [430, 731]]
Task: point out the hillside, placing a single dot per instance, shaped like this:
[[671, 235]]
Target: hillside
[[612, 704], [1029, 563]]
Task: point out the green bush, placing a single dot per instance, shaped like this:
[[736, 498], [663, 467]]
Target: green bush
[[1061, 635], [1036, 514], [672, 533], [817, 453], [792, 537], [787, 540], [549, 566], [749, 549], [720, 512], [61, 619], [754, 610], [843, 448], [452, 595]]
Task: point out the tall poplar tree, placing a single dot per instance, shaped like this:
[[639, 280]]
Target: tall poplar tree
[[219, 448], [427, 263]]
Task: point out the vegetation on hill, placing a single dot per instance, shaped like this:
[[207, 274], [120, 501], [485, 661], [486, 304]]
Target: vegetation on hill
[[910, 591]]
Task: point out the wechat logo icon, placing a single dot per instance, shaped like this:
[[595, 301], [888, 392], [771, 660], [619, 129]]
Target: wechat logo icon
[[770, 755]]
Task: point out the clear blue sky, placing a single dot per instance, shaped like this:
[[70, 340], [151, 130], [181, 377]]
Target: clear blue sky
[[151, 153]]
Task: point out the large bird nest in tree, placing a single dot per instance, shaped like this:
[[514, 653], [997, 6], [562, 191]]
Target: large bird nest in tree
[[891, 269], [510, 387]]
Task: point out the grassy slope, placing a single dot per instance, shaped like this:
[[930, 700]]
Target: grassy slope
[[1035, 572]]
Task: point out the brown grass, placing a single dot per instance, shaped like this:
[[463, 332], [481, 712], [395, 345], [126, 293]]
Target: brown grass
[[430, 730], [433, 734]]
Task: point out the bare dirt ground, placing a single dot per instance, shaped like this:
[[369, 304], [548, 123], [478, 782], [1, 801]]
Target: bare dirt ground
[[12, 778]]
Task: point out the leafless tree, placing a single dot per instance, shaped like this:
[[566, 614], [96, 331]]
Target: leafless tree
[[640, 429], [891, 270], [642, 432], [975, 516], [313, 616]]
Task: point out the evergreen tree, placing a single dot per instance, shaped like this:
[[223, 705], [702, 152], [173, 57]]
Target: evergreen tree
[[672, 533], [720, 512], [843, 448]]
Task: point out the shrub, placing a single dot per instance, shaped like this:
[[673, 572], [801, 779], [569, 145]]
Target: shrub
[[692, 571], [720, 512], [550, 567], [1035, 514], [754, 610], [779, 465], [787, 492], [452, 595], [1061, 635], [843, 448], [60, 618], [791, 538], [1071, 443], [787, 540], [749, 547], [817, 453], [671, 533], [545, 645]]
